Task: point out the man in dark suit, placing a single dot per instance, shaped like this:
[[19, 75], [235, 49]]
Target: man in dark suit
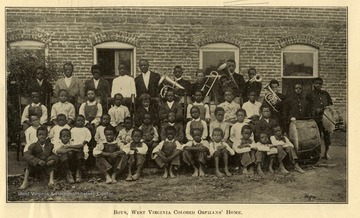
[[41, 85], [178, 72], [148, 81], [233, 80], [100, 85]]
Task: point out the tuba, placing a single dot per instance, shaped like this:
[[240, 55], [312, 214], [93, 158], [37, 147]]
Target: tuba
[[164, 89], [272, 98], [227, 82]]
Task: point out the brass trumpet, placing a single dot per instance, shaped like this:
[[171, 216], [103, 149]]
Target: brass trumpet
[[208, 83], [272, 98], [256, 78], [173, 83]]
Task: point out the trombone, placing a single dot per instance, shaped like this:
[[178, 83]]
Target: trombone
[[272, 98], [256, 78], [208, 83]]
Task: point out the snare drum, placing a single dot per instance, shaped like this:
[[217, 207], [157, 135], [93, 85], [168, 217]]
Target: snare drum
[[331, 118], [305, 136]]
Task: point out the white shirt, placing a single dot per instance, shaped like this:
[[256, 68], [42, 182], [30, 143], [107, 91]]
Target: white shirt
[[30, 137], [252, 108], [230, 110], [188, 131], [96, 83], [54, 133], [146, 78], [235, 133], [39, 81], [68, 81], [118, 114], [100, 135], [170, 104], [124, 85], [207, 109], [43, 118], [65, 108]]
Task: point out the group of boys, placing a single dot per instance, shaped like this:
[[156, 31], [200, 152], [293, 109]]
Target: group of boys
[[155, 131]]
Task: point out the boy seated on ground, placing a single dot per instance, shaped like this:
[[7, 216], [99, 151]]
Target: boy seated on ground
[[264, 148], [167, 153], [69, 153], [137, 154], [285, 148], [40, 158], [110, 158], [246, 150], [195, 152], [220, 149]]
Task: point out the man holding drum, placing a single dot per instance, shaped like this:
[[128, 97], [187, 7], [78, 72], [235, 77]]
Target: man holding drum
[[318, 101]]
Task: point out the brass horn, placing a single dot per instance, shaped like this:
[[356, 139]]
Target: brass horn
[[210, 83], [256, 78], [164, 89], [272, 98]]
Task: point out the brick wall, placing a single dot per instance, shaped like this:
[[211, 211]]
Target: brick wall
[[169, 36]]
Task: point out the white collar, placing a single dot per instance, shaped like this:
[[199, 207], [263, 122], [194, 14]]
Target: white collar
[[171, 124], [91, 103], [200, 103], [167, 140], [68, 78], [198, 119], [35, 105]]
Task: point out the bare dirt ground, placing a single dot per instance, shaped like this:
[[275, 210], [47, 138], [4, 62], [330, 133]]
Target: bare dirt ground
[[325, 182]]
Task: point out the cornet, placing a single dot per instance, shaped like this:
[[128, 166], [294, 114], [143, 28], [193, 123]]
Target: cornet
[[272, 98], [256, 78], [164, 89]]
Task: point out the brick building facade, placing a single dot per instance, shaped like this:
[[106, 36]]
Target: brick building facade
[[169, 36]]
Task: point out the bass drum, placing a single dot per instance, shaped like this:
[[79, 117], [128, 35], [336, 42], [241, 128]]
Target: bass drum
[[305, 136]]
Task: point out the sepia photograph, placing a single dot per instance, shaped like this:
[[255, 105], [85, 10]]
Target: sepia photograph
[[177, 104]]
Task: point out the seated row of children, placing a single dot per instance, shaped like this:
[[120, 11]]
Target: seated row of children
[[133, 146]]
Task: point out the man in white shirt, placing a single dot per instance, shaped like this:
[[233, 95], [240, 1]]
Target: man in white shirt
[[123, 84]]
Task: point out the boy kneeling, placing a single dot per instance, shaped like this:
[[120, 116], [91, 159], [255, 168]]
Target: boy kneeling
[[110, 156], [39, 157]]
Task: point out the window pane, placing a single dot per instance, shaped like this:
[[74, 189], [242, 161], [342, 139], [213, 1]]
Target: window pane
[[123, 56], [212, 59], [106, 60], [298, 64]]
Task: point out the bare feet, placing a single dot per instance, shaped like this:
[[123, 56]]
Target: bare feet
[[326, 156], [165, 174], [51, 184], [251, 171], [69, 178], [172, 175], [298, 169], [245, 171], [129, 178], [113, 178], [283, 171], [227, 173], [24, 185], [196, 173], [271, 170], [219, 174], [78, 176], [201, 172], [108, 179], [136, 176], [260, 172]]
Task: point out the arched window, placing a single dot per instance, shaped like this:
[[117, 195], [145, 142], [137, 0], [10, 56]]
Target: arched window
[[29, 45], [214, 54], [299, 61], [299, 64], [109, 54]]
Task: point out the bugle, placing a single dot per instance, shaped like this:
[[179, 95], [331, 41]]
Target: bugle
[[272, 98]]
